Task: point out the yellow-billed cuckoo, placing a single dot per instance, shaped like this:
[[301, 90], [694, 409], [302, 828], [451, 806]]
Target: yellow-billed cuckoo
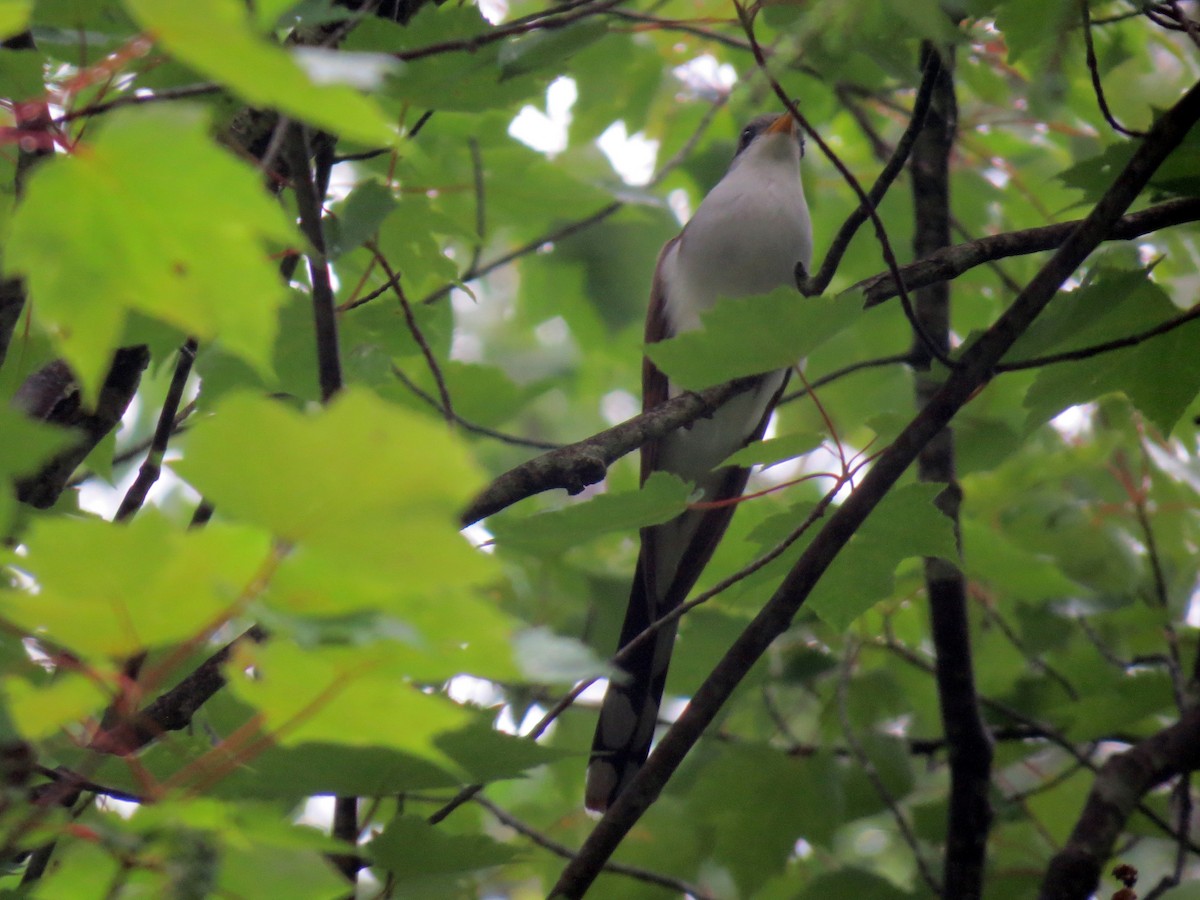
[[749, 236]]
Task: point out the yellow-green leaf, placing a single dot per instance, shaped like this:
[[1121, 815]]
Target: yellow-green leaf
[[148, 220], [216, 37]]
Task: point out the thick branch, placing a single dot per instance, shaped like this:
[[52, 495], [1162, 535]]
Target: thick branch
[[51, 394], [970, 749], [577, 465], [945, 265], [1120, 784], [974, 370]]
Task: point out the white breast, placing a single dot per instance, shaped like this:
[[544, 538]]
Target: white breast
[[746, 238]]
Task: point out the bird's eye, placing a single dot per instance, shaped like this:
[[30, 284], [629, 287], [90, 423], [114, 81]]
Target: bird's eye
[[746, 138]]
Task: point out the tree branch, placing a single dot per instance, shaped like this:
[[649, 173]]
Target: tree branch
[[577, 465], [1074, 873], [151, 468], [974, 370], [945, 265], [329, 362], [969, 814], [51, 395]]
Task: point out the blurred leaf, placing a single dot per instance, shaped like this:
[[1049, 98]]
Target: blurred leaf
[[39, 712], [546, 49], [345, 695], [906, 523], [359, 218], [547, 657], [104, 591], [851, 882], [88, 271], [991, 557], [774, 781], [14, 16], [382, 486], [775, 450], [215, 37]]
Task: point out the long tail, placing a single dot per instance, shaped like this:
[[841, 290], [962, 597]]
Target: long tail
[[673, 556], [630, 710]]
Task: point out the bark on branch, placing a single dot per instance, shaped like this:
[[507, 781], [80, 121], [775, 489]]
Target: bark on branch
[[951, 262], [1120, 784], [585, 462]]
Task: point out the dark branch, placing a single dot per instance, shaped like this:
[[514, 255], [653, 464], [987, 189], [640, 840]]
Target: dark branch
[[152, 466], [575, 466], [894, 166], [948, 264], [1074, 873], [969, 813], [329, 361], [51, 395]]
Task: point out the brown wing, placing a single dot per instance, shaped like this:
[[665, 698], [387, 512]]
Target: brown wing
[[655, 385]]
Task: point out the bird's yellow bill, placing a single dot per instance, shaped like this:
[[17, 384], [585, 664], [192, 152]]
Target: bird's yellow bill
[[785, 124]]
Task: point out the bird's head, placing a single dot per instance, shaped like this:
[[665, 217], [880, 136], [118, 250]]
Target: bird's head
[[770, 138]]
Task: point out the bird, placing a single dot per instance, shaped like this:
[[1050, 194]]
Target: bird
[[750, 235]]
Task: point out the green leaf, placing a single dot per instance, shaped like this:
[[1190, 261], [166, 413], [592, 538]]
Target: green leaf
[[346, 695], [1160, 376], [103, 590], [852, 882], [359, 217], [410, 847], [742, 771], [548, 49], [39, 712], [989, 556], [776, 450], [360, 482], [14, 16], [660, 499], [751, 335], [141, 237], [215, 37], [490, 755], [28, 443], [906, 523]]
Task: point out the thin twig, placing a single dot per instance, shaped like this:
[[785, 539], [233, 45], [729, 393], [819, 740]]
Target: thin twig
[[165, 95], [414, 329], [543, 21], [1120, 343], [868, 768], [1094, 70], [681, 25], [467, 424], [747, 19], [836, 374], [152, 466], [635, 872], [894, 166]]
